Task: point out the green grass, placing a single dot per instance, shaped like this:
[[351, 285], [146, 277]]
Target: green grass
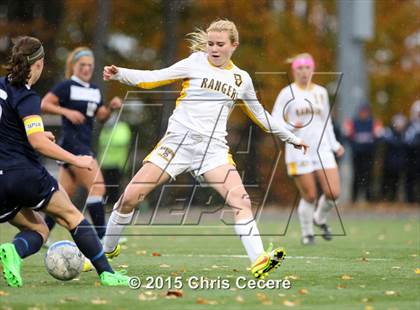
[[378, 255]]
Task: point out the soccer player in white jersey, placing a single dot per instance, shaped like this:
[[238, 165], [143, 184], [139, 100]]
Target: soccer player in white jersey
[[303, 108], [195, 138]]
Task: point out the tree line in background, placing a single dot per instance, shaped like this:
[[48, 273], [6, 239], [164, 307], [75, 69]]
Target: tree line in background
[[150, 34]]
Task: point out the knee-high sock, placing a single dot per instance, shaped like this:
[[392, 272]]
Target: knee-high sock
[[117, 222], [306, 213], [324, 207], [250, 236], [96, 210], [49, 220], [27, 242], [88, 243]]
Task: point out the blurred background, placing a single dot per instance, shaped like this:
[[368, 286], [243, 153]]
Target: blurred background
[[367, 52]]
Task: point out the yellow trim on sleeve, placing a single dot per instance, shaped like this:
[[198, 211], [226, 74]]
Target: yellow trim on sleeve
[[251, 115], [185, 85], [150, 85], [33, 124]]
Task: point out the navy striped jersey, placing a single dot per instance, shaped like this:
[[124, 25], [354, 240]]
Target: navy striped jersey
[[86, 98], [16, 103]]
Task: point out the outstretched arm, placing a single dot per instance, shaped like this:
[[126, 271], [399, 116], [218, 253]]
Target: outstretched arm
[[148, 78], [263, 119]]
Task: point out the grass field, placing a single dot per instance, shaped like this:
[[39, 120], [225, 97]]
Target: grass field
[[373, 267]]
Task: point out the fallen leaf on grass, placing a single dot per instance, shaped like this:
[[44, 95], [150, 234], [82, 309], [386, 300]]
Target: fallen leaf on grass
[[291, 277], [3, 293], [346, 277], [203, 301], [239, 299], [417, 271], [364, 259], [164, 266], [174, 293], [289, 303], [369, 307], [141, 252], [263, 298], [303, 291], [70, 299], [148, 296], [156, 254], [99, 301], [123, 266], [396, 267], [392, 293], [366, 299], [341, 286]]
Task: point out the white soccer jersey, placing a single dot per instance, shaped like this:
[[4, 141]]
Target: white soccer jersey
[[308, 109], [207, 97]]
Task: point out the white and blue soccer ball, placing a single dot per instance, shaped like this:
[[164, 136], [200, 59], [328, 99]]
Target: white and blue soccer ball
[[64, 261]]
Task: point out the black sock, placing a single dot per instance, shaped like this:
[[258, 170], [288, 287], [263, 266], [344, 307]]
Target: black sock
[[49, 220], [97, 213], [88, 243], [27, 242]]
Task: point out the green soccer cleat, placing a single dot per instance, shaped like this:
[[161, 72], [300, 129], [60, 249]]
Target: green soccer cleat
[[267, 261], [11, 262], [114, 253], [114, 279]]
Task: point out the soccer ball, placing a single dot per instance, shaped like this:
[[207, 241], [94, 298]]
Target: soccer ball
[[64, 261]]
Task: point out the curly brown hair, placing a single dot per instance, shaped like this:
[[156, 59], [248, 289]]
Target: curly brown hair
[[19, 64]]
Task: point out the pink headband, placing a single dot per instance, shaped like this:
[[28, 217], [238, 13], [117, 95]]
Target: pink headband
[[307, 61]]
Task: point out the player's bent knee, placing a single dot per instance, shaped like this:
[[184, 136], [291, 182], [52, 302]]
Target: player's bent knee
[[131, 200], [332, 195]]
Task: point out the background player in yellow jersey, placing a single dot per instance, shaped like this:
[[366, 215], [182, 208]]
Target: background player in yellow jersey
[[195, 138], [303, 107]]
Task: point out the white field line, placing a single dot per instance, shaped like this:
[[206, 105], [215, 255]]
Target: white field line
[[287, 257]]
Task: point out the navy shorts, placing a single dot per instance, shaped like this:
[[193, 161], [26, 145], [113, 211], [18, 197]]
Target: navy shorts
[[75, 148], [30, 188]]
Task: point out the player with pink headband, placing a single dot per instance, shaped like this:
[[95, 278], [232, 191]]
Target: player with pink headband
[[303, 107]]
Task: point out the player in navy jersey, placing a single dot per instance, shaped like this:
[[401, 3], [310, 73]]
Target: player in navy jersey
[[25, 185], [79, 102]]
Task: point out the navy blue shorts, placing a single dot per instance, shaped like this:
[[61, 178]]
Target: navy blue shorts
[[31, 188], [75, 148]]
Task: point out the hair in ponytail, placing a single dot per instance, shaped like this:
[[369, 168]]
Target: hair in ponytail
[[198, 38], [25, 52]]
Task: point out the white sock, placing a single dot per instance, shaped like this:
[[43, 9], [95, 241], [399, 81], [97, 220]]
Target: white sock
[[306, 213], [324, 207], [250, 236], [117, 222]]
